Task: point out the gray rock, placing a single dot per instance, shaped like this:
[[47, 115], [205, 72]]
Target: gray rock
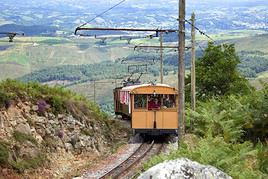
[[23, 128], [183, 169], [41, 131], [35, 108], [52, 122], [13, 123], [40, 120], [60, 116], [51, 116], [69, 147]]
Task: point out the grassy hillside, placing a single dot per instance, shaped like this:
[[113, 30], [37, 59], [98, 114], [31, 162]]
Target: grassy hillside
[[251, 43], [33, 53]]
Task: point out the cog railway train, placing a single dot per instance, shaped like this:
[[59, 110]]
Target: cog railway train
[[152, 108]]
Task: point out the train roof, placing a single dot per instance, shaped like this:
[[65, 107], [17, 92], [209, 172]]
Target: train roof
[[135, 87]]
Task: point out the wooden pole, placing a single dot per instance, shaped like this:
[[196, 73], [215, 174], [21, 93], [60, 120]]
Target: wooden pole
[[193, 93], [181, 70], [161, 57], [94, 91]]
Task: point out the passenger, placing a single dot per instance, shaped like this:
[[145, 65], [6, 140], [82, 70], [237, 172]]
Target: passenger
[[154, 104], [168, 103]]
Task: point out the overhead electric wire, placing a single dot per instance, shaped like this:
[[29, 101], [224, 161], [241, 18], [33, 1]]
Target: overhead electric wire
[[102, 13], [200, 31], [201, 48]]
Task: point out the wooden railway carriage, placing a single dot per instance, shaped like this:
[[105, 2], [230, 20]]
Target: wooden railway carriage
[[151, 108]]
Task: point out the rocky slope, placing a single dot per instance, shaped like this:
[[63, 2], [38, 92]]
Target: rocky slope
[[49, 132]]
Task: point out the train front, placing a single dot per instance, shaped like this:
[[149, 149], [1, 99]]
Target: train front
[[153, 108]]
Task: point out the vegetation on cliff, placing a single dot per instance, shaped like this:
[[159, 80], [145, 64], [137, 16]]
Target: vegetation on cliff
[[38, 121]]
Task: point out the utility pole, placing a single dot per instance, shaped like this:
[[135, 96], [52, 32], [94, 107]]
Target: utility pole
[[161, 58], [193, 100], [95, 91], [181, 74], [11, 35]]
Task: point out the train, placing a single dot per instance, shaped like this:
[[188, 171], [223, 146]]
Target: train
[[151, 108]]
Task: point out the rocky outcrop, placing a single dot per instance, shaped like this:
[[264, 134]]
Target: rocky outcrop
[[51, 132], [29, 137], [58, 132], [183, 169]]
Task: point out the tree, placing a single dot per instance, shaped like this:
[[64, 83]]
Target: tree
[[217, 74]]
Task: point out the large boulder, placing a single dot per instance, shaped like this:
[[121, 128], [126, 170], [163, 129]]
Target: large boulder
[[183, 169]]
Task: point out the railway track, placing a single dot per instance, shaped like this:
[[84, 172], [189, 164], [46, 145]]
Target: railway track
[[128, 168]]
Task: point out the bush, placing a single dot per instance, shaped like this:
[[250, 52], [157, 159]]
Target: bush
[[5, 99], [236, 118], [42, 107], [237, 160], [57, 104], [4, 153], [21, 137], [87, 132], [29, 163]]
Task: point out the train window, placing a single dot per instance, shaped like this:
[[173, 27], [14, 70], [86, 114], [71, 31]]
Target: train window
[[169, 101], [154, 102], [140, 101]]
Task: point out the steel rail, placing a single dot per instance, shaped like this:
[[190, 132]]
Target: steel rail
[[128, 163]]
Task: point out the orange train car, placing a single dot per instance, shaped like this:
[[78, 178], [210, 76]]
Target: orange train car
[[153, 109]]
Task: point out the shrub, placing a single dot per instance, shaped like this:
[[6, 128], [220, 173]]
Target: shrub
[[238, 160], [236, 118], [42, 107], [29, 163], [225, 118], [21, 137], [5, 99], [87, 132], [4, 153]]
